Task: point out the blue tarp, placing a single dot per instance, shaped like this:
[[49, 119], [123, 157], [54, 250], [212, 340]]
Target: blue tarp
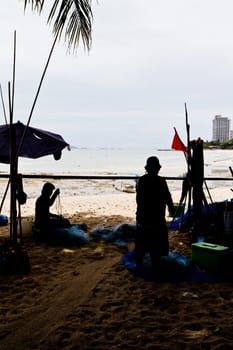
[[74, 235], [3, 220], [174, 268], [210, 209], [120, 235]]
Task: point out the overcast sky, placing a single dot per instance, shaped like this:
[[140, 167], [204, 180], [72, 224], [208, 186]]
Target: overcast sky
[[147, 59]]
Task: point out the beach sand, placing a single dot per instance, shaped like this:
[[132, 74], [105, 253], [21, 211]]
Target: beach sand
[[84, 298]]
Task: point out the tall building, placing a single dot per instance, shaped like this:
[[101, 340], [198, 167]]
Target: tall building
[[221, 128]]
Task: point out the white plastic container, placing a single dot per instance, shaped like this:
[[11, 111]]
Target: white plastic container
[[26, 223]]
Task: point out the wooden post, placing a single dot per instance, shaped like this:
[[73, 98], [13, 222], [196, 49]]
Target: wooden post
[[13, 156], [189, 194]]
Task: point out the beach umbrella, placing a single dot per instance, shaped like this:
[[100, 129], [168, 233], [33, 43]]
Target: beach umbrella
[[29, 142], [19, 140]]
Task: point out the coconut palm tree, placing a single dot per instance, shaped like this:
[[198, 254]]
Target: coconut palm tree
[[73, 17]]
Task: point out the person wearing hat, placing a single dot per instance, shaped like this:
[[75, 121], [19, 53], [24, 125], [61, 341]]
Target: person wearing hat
[[152, 197]]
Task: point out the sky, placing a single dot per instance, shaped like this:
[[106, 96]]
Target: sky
[[148, 58]]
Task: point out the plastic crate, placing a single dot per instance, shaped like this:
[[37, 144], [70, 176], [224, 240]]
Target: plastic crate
[[209, 256]]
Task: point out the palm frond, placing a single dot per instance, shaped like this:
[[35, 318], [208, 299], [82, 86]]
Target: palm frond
[[35, 4], [72, 17]]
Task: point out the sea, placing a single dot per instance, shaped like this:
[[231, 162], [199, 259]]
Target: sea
[[120, 162]]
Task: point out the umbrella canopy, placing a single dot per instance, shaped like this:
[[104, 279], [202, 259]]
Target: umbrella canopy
[[19, 140], [36, 143]]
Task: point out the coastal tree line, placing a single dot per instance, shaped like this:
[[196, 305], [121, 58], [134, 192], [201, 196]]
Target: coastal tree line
[[218, 145]]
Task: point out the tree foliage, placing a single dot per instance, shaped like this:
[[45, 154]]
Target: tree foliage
[[71, 17], [220, 145]]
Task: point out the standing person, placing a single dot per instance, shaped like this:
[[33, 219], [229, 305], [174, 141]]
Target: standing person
[[152, 196], [44, 220]]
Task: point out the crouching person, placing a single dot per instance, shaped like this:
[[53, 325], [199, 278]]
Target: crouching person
[[45, 222]]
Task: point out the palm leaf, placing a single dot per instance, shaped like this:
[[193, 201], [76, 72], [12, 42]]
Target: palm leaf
[[36, 4], [72, 17]]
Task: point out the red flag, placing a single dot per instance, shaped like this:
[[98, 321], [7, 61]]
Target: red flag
[[177, 144]]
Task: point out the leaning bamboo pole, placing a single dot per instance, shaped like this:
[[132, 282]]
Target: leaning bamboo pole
[[14, 151]]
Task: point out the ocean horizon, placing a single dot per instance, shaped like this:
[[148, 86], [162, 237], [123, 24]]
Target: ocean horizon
[[115, 162], [121, 161]]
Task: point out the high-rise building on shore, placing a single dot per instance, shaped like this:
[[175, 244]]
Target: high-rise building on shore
[[221, 128]]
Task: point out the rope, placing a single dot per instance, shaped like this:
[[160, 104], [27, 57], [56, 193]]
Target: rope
[[58, 205]]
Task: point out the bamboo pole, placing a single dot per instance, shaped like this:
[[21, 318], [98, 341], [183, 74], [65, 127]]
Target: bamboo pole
[[3, 104], [37, 94]]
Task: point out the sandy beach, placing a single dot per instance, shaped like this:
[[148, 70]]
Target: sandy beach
[[85, 298], [110, 202]]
